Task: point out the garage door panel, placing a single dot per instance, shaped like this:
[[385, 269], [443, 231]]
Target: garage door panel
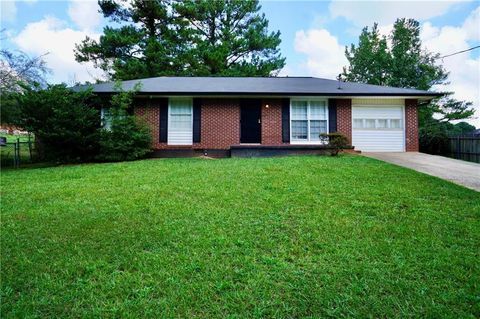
[[380, 138], [377, 112], [378, 141], [378, 101]]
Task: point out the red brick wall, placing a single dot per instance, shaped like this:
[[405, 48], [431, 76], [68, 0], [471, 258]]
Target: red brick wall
[[220, 123], [344, 117], [411, 125], [148, 112], [272, 122]]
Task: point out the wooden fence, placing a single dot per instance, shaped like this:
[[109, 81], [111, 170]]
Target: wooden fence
[[466, 148]]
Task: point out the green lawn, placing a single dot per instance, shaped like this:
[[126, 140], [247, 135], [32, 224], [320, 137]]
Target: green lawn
[[280, 237]]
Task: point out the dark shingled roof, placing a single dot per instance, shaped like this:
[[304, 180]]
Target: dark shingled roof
[[257, 86]]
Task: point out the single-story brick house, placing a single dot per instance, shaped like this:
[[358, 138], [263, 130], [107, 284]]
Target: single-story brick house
[[275, 115]]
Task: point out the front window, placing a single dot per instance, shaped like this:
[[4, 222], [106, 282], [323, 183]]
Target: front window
[[106, 118], [308, 120], [180, 121]]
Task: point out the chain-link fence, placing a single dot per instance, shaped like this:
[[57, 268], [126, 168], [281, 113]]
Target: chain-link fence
[[17, 153]]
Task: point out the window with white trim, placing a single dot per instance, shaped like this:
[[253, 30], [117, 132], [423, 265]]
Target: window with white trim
[[308, 119], [180, 121]]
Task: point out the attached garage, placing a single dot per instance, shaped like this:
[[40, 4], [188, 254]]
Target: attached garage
[[378, 125]]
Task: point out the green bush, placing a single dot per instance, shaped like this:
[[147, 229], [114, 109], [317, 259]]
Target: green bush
[[123, 137], [125, 140], [336, 142], [65, 123], [67, 127]]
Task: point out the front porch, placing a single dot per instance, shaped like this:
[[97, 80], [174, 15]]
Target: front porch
[[246, 150]]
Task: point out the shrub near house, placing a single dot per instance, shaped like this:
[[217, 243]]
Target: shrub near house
[[66, 124]]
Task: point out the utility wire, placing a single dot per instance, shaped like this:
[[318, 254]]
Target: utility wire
[[445, 56]]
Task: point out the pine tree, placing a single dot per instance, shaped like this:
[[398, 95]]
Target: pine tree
[[230, 38], [144, 45], [191, 37]]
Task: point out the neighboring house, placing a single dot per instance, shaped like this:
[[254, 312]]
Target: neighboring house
[[276, 115]]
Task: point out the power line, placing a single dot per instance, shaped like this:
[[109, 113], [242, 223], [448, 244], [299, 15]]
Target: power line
[[455, 53]]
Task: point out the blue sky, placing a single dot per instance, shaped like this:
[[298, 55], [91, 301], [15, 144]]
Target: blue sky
[[314, 34]]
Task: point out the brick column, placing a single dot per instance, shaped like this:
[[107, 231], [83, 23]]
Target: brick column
[[272, 122], [411, 125], [344, 117]]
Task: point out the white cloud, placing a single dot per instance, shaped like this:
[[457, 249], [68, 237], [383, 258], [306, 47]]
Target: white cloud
[[363, 13], [325, 56], [472, 25], [8, 11], [85, 14], [464, 69], [53, 36]]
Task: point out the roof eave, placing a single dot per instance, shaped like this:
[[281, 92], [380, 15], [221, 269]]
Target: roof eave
[[339, 94]]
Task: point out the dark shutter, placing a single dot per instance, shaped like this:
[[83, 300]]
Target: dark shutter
[[332, 115], [197, 118], [163, 120], [286, 120]]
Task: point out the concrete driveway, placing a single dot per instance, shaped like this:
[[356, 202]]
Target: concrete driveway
[[457, 171]]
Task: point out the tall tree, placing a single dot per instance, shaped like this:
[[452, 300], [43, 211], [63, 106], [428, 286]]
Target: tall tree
[[400, 61], [369, 60], [411, 66], [191, 37], [229, 38], [17, 68], [144, 44]]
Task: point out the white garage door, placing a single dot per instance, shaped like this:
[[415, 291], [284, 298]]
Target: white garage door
[[378, 125]]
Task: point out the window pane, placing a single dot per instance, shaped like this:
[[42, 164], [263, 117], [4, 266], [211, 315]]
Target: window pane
[[180, 108], [381, 123], [180, 115], [180, 122], [369, 123], [316, 128], [299, 130], [106, 118], [317, 111], [299, 103], [358, 123], [299, 112], [317, 103], [395, 123]]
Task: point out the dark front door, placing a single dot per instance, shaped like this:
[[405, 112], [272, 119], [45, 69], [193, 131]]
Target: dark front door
[[250, 121]]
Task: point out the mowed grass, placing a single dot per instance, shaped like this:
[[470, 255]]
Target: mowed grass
[[280, 237]]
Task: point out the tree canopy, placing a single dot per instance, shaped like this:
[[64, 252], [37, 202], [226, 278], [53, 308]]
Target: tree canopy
[[191, 37], [229, 38], [395, 60]]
